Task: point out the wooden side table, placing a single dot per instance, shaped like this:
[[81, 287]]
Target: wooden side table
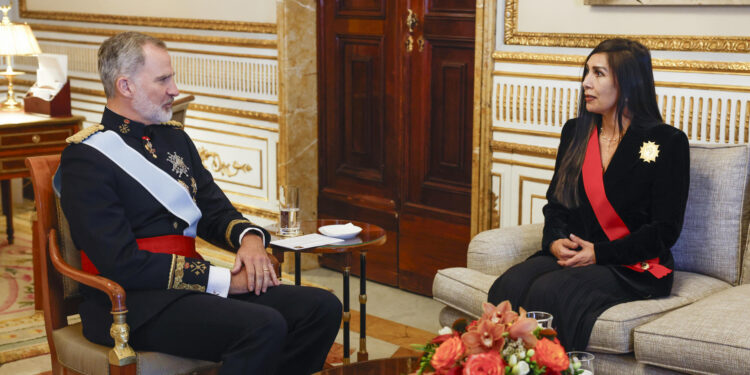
[[23, 135], [371, 235]]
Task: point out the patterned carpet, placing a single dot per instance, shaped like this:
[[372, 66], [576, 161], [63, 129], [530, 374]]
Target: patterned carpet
[[21, 327]]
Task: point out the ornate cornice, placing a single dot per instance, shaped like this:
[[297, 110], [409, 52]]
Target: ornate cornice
[[691, 66], [739, 44], [183, 23], [168, 37]]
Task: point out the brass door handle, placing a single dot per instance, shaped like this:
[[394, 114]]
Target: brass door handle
[[411, 20]]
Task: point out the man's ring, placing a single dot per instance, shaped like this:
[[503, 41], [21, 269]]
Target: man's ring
[[265, 269]]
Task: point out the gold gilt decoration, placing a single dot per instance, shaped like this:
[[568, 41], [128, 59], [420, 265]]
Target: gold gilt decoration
[[178, 271], [654, 42], [121, 354], [212, 160], [649, 151], [232, 224], [658, 64]]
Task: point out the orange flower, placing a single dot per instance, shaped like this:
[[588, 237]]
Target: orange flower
[[524, 328], [447, 354], [501, 314], [483, 337], [490, 363], [551, 355]]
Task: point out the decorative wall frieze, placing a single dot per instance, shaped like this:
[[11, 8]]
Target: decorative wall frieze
[[689, 66], [513, 36], [212, 161]]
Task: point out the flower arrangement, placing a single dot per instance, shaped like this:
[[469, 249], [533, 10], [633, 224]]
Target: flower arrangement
[[501, 342]]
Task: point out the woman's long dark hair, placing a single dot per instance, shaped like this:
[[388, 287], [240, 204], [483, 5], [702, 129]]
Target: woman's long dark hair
[[630, 63]]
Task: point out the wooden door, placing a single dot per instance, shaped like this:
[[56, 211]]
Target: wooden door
[[395, 130]]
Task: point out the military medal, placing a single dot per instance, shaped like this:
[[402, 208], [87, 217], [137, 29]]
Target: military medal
[[148, 146], [124, 128], [649, 151], [178, 165]]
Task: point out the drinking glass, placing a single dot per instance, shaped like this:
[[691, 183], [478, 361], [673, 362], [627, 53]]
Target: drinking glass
[[289, 223], [542, 318], [581, 361]]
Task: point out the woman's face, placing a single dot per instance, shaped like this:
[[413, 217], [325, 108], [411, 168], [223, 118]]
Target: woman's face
[[599, 86]]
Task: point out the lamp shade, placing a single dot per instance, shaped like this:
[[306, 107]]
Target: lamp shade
[[17, 39]]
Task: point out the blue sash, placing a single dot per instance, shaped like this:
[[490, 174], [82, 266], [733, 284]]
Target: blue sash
[[163, 187]]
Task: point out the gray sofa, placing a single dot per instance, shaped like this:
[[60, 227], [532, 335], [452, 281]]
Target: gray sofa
[[703, 327]]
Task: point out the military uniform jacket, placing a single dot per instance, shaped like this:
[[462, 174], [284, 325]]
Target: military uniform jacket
[[107, 210], [649, 194]]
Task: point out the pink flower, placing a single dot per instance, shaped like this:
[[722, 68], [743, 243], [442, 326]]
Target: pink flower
[[502, 314], [447, 354], [483, 337], [490, 363], [524, 328]]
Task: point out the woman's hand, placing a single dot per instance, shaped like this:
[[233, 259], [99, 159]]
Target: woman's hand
[[563, 249], [580, 258]]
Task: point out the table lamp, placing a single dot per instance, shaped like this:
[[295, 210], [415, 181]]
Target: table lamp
[[15, 40]]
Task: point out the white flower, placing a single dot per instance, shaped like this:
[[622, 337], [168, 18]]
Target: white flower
[[445, 331], [521, 368]]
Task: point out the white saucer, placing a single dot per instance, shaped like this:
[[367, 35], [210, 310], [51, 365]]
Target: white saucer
[[343, 231]]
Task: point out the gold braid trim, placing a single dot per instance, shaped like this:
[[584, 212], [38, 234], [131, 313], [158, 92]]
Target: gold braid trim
[[174, 124], [179, 273], [171, 272], [229, 230], [83, 134]]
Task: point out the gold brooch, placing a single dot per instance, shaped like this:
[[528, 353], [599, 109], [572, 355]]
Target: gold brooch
[[649, 151]]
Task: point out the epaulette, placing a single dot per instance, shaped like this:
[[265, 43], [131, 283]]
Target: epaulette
[[174, 124], [83, 134]]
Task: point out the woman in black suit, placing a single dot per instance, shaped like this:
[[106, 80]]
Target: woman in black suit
[[615, 203]]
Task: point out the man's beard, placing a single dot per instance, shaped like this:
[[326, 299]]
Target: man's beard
[[153, 113]]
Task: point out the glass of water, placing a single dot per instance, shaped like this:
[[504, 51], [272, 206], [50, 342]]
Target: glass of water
[[289, 223], [581, 363], [543, 319]]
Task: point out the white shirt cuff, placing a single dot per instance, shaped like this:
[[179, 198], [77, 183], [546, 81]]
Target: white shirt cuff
[[219, 279], [262, 235]]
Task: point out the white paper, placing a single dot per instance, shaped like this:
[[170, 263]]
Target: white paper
[[51, 76], [306, 242]]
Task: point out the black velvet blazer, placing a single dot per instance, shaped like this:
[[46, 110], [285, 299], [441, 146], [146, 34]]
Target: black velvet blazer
[[650, 198]]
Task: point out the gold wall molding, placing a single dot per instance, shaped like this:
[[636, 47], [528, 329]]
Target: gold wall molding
[[521, 180], [496, 212], [235, 112], [251, 126], [526, 132], [523, 164], [183, 23], [254, 211], [739, 44], [518, 148], [167, 37], [689, 66], [212, 161]]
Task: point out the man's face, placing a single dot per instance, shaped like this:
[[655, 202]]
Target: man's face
[[155, 88]]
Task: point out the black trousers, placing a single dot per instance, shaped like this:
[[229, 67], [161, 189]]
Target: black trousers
[[287, 330], [574, 296]]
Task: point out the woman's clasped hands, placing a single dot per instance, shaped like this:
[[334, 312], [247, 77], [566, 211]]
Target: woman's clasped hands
[[567, 252]]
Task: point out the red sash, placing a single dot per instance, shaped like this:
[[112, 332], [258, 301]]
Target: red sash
[[611, 223], [170, 244]]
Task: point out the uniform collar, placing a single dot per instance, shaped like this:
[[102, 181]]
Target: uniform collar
[[122, 125]]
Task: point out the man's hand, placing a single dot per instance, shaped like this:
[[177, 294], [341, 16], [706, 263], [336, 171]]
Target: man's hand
[[258, 273], [583, 257]]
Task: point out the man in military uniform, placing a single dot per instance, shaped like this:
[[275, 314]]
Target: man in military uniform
[[136, 194]]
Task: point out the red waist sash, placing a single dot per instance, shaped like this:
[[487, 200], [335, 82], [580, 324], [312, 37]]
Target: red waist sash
[[170, 244], [611, 223]]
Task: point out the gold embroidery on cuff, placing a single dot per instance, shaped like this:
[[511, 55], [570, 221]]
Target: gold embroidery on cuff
[[179, 273], [171, 272], [231, 225]]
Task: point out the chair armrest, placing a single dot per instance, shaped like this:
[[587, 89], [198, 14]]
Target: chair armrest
[[495, 250], [115, 292]]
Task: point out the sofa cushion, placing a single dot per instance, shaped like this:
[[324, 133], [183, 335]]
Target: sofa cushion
[[613, 331], [464, 289], [708, 336], [717, 209]]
